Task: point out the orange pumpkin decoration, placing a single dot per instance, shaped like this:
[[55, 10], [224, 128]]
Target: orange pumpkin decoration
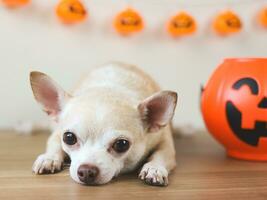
[[181, 24], [234, 107], [71, 11], [15, 3], [227, 23], [262, 17], [128, 22]]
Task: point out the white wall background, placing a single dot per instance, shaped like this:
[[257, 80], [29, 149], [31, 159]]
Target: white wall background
[[31, 38]]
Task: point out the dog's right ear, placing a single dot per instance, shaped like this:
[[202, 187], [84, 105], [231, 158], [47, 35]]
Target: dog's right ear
[[48, 93]]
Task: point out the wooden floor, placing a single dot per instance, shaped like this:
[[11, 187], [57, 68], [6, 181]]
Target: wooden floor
[[203, 172]]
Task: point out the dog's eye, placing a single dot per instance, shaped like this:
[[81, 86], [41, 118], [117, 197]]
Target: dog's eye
[[121, 145], [69, 138]]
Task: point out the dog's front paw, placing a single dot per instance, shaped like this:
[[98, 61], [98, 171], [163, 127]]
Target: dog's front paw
[[47, 164], [154, 174]]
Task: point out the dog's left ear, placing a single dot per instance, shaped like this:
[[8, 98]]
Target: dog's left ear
[[157, 110]]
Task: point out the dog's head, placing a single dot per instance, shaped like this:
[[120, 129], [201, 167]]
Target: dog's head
[[102, 134]]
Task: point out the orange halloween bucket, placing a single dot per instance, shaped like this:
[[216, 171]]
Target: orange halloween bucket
[[234, 107]]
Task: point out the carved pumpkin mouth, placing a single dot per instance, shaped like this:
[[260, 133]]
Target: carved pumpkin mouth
[[182, 23], [77, 9], [249, 136], [236, 117], [129, 21], [233, 23]]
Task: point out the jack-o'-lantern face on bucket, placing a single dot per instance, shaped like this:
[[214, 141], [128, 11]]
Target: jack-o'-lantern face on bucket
[[227, 23], [71, 11], [234, 107], [247, 120], [181, 24], [128, 21]]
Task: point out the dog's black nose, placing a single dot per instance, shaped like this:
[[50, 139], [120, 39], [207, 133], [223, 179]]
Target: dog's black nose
[[88, 174]]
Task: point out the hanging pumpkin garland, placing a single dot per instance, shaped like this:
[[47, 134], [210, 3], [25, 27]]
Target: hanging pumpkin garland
[[128, 22], [15, 3], [181, 24], [71, 11], [227, 23], [262, 17]]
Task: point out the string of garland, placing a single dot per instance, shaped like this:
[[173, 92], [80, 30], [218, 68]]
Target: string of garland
[[130, 21]]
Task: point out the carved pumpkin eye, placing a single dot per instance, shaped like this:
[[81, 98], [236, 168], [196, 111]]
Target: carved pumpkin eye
[[15, 3], [128, 21], [71, 11], [250, 82], [181, 24], [227, 23]]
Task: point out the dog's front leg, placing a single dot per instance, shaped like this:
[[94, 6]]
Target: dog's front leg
[[52, 160], [160, 163]]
